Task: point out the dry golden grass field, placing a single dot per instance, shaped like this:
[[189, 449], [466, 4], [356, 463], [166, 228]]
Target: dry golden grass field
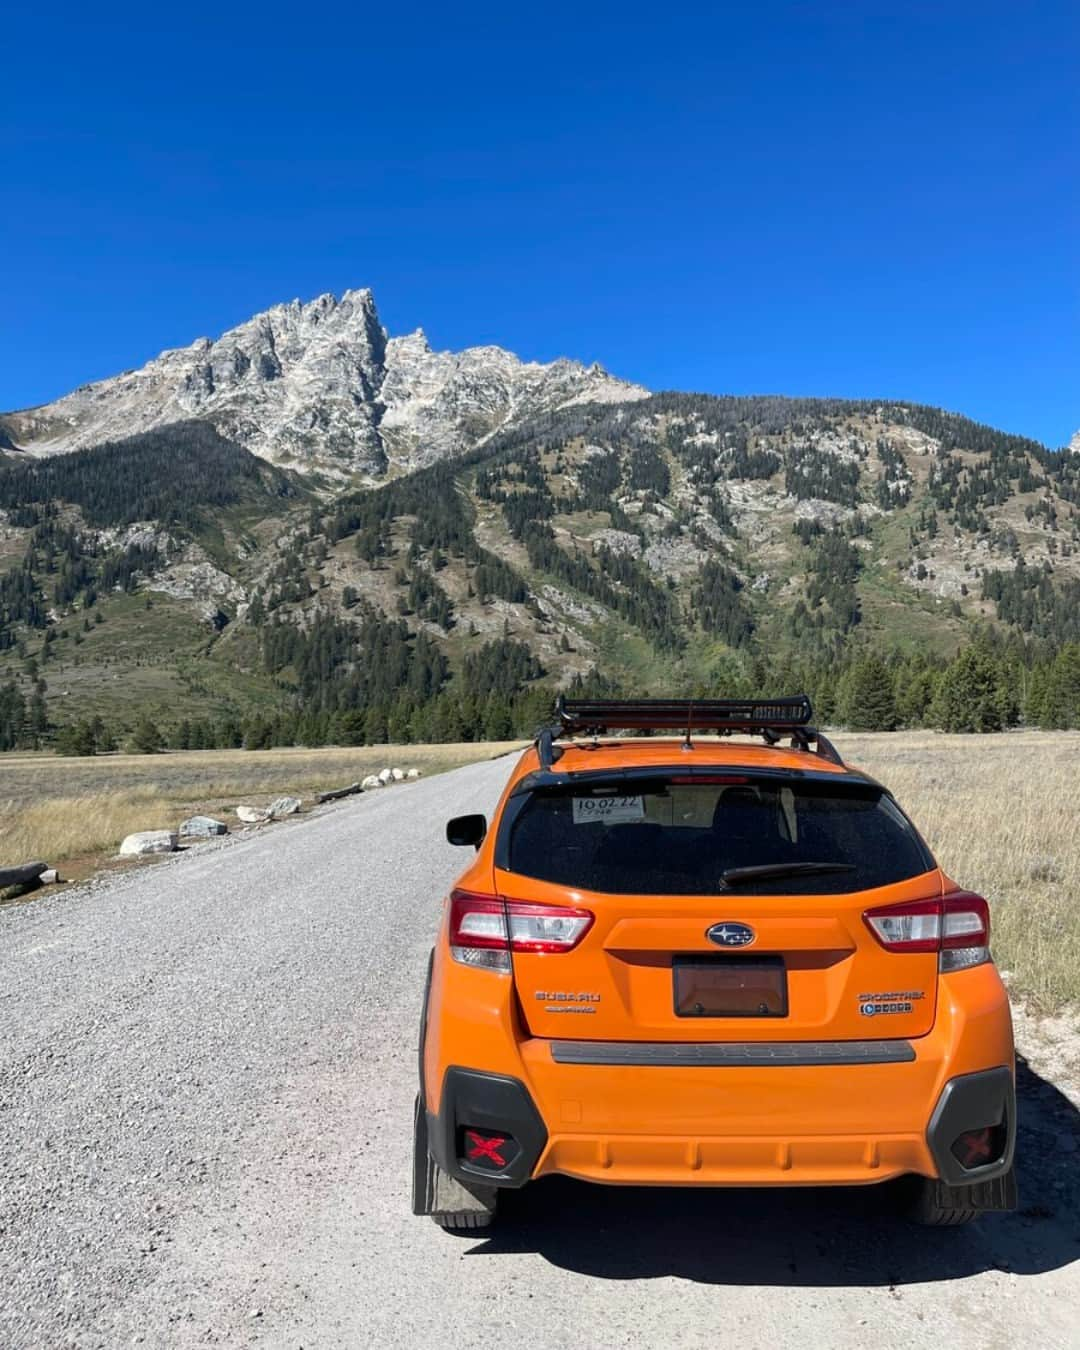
[[1002, 815], [74, 812], [1000, 812]]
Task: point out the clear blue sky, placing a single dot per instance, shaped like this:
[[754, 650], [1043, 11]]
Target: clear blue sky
[[840, 199]]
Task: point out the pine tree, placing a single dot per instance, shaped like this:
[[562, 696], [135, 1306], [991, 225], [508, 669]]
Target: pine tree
[[868, 697], [146, 739], [1061, 700], [77, 739], [970, 695]]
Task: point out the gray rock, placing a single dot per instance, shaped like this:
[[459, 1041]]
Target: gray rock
[[321, 386], [252, 815], [148, 841], [202, 827], [284, 806]]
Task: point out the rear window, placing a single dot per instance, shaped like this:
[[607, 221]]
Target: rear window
[[650, 837]]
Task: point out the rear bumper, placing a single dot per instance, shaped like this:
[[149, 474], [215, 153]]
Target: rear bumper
[[504, 1106], [884, 1109]]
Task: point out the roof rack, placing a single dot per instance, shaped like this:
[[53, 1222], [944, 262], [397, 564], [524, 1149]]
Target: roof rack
[[771, 718]]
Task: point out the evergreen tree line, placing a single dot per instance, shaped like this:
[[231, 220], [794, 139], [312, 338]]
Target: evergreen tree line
[[501, 692], [172, 475], [1030, 598]]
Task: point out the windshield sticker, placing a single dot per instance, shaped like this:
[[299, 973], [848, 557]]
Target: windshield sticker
[[609, 810]]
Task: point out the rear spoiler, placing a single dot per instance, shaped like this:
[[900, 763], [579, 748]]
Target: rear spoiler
[[770, 718]]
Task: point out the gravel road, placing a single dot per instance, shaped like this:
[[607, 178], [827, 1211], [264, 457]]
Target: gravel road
[[206, 1084]]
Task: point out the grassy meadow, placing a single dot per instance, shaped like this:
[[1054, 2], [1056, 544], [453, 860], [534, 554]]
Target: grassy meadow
[[1002, 817], [1000, 813]]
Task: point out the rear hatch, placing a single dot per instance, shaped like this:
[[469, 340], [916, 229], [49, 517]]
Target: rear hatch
[[688, 942]]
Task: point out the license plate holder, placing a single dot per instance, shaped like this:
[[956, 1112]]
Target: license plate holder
[[730, 986]]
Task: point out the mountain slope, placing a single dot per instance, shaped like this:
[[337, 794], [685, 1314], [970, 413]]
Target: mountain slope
[[320, 387], [343, 533], [676, 542]]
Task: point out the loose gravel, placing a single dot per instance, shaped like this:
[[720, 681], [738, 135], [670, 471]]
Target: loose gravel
[[206, 1079]]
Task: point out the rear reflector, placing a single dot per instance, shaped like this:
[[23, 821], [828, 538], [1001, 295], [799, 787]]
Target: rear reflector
[[957, 926], [978, 1148], [484, 930], [491, 1150]]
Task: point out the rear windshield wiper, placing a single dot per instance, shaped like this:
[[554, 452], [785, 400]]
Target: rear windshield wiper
[[734, 875]]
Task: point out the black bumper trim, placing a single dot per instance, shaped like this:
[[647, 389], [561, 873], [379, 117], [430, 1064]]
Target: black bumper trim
[[488, 1101], [732, 1054], [968, 1103]]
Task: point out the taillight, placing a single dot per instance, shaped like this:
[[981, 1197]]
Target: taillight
[[957, 927], [484, 930], [912, 927], [965, 932]]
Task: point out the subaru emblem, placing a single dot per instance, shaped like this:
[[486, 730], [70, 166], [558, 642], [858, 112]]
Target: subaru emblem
[[730, 934]]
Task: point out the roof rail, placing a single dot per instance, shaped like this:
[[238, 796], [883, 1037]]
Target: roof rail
[[771, 718]]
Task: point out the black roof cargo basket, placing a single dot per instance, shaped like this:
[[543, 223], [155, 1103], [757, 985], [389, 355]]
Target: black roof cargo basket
[[771, 718], [594, 716]]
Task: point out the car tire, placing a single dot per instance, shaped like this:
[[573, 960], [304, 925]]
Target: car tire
[[924, 1204], [454, 1205]]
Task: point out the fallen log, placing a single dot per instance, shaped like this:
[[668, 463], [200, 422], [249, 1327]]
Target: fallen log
[[349, 791], [22, 876]]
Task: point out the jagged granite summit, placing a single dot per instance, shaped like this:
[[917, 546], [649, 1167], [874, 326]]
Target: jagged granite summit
[[320, 386]]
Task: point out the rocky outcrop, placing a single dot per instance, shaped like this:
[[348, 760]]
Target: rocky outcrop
[[321, 386]]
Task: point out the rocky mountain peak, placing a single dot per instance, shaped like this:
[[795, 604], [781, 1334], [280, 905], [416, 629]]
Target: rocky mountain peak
[[319, 385]]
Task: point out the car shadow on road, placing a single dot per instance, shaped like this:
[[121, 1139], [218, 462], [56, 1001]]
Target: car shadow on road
[[811, 1237]]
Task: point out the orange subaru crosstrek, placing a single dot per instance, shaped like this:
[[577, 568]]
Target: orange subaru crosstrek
[[693, 961]]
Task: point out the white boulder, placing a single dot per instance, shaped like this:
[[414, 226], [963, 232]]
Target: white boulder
[[284, 806], [397, 775], [386, 776], [252, 815], [148, 841], [413, 773], [372, 781]]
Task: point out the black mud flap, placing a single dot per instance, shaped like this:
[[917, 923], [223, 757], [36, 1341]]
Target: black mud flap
[[453, 1204], [423, 1174], [997, 1194]]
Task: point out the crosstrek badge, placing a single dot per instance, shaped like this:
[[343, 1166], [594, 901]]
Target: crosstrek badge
[[609, 810], [895, 1001]]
